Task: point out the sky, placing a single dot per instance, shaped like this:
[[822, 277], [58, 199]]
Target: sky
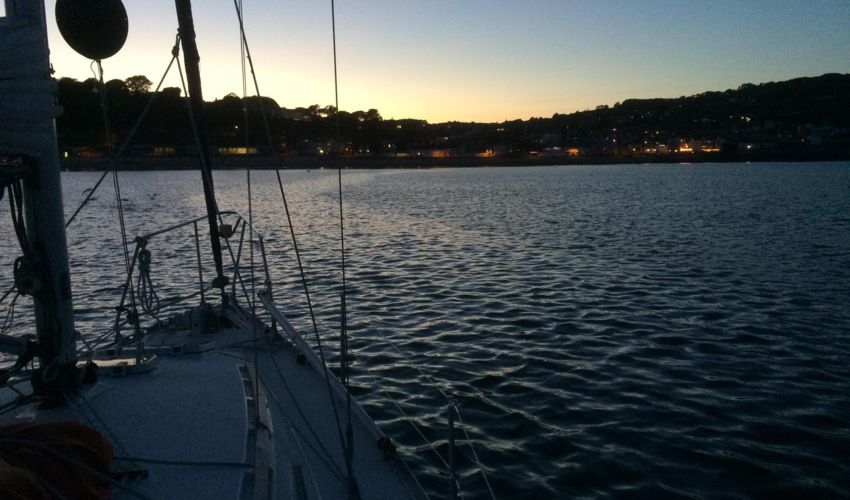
[[484, 60]]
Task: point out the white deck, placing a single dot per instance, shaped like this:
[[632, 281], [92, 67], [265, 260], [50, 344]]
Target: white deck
[[199, 409]]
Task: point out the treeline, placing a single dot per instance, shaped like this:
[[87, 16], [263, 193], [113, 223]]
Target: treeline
[[786, 113], [776, 111], [231, 121]]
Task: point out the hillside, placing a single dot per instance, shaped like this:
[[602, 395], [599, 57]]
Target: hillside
[[811, 114]]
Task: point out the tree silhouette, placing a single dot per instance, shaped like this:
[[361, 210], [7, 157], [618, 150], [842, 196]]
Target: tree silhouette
[[138, 84], [787, 115]]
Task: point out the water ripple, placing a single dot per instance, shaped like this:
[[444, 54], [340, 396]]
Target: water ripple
[[610, 331]]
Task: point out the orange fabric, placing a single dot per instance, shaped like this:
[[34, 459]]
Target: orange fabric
[[27, 471], [20, 484]]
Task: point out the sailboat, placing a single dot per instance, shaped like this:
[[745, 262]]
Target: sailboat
[[212, 402]]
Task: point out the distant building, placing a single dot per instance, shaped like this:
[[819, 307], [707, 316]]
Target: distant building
[[436, 153], [699, 146], [163, 151], [236, 151], [501, 150], [553, 151]]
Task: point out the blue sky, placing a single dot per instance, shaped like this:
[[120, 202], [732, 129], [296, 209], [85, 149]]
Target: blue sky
[[477, 60]]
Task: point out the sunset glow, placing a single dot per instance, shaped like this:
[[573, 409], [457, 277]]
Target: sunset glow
[[481, 60]]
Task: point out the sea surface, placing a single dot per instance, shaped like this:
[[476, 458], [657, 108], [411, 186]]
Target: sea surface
[[657, 331]]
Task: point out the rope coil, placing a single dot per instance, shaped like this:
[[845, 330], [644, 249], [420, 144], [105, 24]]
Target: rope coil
[[144, 285]]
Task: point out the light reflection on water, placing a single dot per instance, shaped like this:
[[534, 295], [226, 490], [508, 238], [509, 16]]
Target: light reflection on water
[[608, 330]]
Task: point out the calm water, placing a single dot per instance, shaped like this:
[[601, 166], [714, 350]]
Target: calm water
[[609, 331]]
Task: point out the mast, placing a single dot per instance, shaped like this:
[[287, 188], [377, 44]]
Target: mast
[[34, 134], [186, 27]]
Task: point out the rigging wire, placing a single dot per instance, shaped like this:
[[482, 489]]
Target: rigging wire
[[22, 265], [7, 293], [344, 364], [182, 463], [195, 101], [456, 410], [245, 129], [95, 420], [16, 210], [289, 222], [343, 333], [253, 303], [407, 417], [82, 467], [343, 309], [10, 315], [133, 312], [104, 108], [113, 162], [42, 482], [336, 83], [325, 456], [475, 454], [86, 344], [93, 344], [81, 407], [328, 461], [197, 139]]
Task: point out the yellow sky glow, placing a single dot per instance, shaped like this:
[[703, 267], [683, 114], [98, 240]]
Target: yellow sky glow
[[476, 60]]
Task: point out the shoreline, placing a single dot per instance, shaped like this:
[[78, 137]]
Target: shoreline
[[296, 162]]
